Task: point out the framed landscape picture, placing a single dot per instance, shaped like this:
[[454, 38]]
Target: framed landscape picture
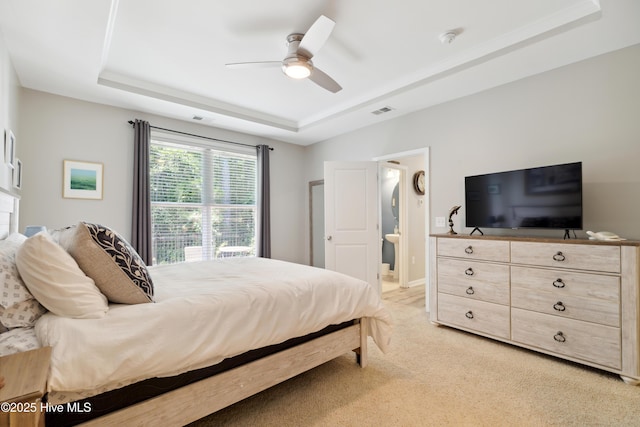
[[82, 180]]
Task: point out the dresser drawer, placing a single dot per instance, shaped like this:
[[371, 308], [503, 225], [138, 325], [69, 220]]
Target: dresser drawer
[[559, 255], [573, 338], [472, 279], [488, 250], [581, 296], [479, 316]]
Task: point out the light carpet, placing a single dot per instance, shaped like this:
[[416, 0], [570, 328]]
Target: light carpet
[[438, 376]]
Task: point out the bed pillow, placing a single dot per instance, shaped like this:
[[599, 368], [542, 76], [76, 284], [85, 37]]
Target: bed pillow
[[18, 340], [12, 289], [22, 315], [63, 236], [117, 269], [55, 280], [18, 308]]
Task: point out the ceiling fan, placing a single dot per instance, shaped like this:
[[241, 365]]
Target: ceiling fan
[[301, 48]]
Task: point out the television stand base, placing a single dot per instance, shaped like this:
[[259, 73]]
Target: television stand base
[[567, 235], [476, 229]]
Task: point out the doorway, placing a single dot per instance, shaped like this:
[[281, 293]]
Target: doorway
[[316, 223], [414, 250], [392, 197], [363, 214]]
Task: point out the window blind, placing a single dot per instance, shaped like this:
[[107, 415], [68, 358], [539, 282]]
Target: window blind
[[203, 202]]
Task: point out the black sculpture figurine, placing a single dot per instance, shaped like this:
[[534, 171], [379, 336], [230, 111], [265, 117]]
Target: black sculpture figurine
[[452, 212]]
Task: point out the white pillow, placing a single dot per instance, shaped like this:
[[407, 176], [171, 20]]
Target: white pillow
[[56, 281], [63, 236]]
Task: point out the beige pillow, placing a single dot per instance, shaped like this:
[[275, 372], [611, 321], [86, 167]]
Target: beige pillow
[[56, 281], [112, 263]]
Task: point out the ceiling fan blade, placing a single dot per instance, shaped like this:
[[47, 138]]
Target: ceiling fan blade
[[258, 64], [323, 80], [316, 36]]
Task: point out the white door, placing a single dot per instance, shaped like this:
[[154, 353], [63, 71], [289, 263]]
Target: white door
[[352, 236]]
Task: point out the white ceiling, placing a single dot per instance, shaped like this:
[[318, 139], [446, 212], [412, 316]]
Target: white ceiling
[[168, 57]]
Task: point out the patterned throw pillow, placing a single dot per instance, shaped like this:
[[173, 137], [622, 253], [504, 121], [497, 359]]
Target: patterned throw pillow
[[12, 289], [18, 308], [116, 268], [21, 315]]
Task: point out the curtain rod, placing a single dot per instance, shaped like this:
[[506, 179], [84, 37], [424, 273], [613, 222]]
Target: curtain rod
[[131, 122]]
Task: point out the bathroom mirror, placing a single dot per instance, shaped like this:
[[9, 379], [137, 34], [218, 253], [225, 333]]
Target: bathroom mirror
[[395, 201], [316, 223]]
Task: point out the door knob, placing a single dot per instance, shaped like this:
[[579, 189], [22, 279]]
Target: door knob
[[328, 237]]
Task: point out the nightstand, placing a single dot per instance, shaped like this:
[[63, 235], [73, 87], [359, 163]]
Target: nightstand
[[25, 382]]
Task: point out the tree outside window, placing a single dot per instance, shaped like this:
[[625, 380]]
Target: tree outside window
[[203, 202]]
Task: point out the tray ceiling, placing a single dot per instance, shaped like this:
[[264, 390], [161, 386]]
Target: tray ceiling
[[168, 57]]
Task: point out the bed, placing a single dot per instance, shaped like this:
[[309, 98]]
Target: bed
[[211, 333]]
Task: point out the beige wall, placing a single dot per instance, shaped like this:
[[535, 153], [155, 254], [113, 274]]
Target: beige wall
[[588, 112], [55, 128], [582, 112]]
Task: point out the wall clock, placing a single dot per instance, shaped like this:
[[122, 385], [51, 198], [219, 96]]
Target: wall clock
[[418, 182]]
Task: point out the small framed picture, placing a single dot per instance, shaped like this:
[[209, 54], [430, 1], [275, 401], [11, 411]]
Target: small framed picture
[[82, 180], [3, 149], [17, 175], [10, 149]]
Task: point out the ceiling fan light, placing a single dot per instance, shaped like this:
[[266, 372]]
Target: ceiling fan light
[[297, 69]]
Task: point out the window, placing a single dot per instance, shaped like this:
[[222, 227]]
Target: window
[[203, 201]]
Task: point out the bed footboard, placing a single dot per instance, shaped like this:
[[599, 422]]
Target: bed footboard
[[190, 403], [361, 351]]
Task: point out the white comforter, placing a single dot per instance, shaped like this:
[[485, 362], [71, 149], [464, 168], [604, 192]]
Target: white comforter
[[204, 312]]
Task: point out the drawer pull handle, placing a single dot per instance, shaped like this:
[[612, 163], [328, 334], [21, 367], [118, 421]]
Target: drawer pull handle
[[559, 306], [558, 283], [559, 336], [469, 314], [559, 256], [469, 271], [468, 250], [470, 291]]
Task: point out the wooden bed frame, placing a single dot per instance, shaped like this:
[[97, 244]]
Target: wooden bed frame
[[197, 400], [194, 401]]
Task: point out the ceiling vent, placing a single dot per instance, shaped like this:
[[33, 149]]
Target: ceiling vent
[[382, 110]]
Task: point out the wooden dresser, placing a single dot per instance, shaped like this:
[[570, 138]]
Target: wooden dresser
[[574, 299]]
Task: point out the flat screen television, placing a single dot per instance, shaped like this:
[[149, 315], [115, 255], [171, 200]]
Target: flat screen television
[[548, 197]]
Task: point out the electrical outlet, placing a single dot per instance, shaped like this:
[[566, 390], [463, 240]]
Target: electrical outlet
[[440, 221], [413, 260]]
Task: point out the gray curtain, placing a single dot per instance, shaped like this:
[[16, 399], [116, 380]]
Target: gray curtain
[[141, 224], [264, 209]]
